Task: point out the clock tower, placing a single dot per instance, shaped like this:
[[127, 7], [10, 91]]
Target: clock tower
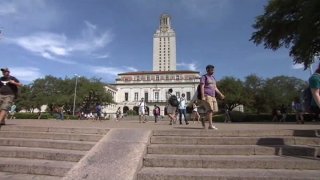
[[164, 46]]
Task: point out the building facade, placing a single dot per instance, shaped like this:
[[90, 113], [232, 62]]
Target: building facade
[[153, 87], [164, 46]]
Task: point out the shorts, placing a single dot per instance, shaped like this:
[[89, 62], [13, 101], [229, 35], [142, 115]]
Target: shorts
[[171, 109], [6, 101], [142, 111], [210, 104]]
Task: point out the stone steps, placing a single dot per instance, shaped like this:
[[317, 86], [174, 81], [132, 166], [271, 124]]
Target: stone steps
[[178, 149], [241, 155], [161, 173], [50, 135], [230, 162], [43, 152], [17, 176], [35, 166], [280, 140]]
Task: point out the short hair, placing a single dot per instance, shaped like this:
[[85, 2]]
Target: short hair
[[210, 67], [170, 90]]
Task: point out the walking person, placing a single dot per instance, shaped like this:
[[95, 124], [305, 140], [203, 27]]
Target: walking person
[[182, 109], [98, 111], [298, 110], [118, 114], [227, 118], [195, 113], [8, 93], [209, 89], [156, 113], [283, 111], [314, 83], [172, 106], [142, 111]]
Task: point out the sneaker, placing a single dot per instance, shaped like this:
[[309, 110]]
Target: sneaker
[[187, 123], [212, 127]]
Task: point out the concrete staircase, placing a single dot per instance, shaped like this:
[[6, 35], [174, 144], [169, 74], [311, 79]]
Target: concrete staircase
[[28, 152], [241, 155]]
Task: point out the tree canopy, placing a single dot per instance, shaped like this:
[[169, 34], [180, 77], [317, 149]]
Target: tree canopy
[[294, 24]]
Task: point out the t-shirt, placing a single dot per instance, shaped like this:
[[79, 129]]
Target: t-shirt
[[7, 88], [142, 105], [209, 85], [314, 83], [182, 103]]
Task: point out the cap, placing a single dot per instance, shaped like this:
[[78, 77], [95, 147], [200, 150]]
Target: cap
[[210, 66], [5, 69]]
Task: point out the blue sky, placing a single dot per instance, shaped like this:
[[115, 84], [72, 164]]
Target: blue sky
[[101, 38]]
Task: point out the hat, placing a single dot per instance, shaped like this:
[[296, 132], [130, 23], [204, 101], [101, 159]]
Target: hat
[[210, 66], [5, 69]]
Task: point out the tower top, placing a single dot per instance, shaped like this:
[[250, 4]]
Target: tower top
[[165, 22]]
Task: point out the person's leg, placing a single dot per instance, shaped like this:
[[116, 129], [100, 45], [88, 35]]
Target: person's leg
[[180, 115], [184, 111], [3, 114]]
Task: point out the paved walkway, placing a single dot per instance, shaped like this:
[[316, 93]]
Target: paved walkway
[[133, 122]]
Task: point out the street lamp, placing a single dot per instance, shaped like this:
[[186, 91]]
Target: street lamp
[[75, 94]]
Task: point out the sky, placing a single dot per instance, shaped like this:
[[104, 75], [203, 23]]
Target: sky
[[102, 38]]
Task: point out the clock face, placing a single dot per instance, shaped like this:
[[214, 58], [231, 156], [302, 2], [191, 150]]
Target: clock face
[[164, 29]]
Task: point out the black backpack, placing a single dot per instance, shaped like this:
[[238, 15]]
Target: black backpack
[[173, 101], [199, 88]]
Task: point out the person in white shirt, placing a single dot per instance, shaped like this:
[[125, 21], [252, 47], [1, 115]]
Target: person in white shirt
[[142, 112], [182, 109]]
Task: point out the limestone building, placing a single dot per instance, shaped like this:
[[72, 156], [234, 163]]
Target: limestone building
[[153, 86], [164, 46]]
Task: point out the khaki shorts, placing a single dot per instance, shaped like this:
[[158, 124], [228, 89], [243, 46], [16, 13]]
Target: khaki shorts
[[171, 109], [6, 101], [209, 104]]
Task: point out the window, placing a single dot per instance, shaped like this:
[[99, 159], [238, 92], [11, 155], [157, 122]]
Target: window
[[136, 98], [126, 96], [188, 96], [146, 97], [156, 96], [157, 77], [167, 77], [177, 77]]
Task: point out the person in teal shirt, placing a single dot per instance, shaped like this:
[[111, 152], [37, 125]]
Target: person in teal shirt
[[314, 83]]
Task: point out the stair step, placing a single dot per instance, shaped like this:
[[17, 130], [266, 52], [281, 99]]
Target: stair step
[[232, 162], [55, 129], [41, 143], [236, 133], [50, 135], [41, 153], [15, 176], [225, 174], [231, 150], [235, 140], [35, 166]]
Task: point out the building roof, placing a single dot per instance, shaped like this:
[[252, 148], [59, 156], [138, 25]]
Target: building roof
[[158, 72]]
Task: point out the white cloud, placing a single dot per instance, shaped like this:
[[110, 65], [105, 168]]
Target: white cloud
[[26, 74], [114, 71], [297, 66], [189, 66], [102, 56], [54, 46]]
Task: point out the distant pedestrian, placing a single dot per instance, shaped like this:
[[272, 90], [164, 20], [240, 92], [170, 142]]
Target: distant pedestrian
[[171, 109], [227, 118], [142, 111], [182, 109], [195, 113], [298, 108], [8, 93], [283, 111], [98, 111], [156, 113], [118, 114], [12, 111]]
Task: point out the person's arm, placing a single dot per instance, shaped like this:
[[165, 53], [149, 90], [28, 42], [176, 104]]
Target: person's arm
[[202, 91], [316, 96], [219, 93]]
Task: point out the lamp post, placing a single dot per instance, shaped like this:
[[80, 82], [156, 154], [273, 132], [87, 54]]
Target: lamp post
[[75, 94]]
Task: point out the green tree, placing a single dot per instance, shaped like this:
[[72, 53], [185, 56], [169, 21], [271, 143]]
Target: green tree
[[255, 100], [294, 24], [233, 90]]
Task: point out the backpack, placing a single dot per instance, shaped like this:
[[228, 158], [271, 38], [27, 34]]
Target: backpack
[[307, 98], [199, 88], [173, 101]]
